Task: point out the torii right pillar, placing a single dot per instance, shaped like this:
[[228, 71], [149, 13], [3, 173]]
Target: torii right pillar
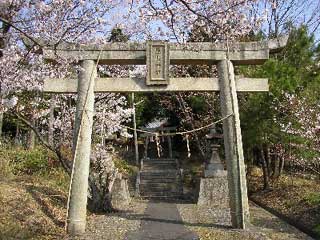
[[238, 197]]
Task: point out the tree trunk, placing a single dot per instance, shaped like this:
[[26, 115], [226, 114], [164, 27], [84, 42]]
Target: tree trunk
[[51, 121], [276, 170], [190, 120], [136, 147], [265, 170], [17, 135], [281, 165], [1, 124], [266, 151], [31, 136]]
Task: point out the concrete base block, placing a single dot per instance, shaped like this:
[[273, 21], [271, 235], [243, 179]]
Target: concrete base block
[[214, 173], [215, 166], [214, 191]]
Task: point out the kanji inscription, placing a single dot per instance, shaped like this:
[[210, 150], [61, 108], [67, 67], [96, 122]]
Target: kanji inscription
[[157, 63]]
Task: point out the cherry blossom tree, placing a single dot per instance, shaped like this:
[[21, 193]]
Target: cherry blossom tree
[[304, 132], [27, 27], [175, 19]]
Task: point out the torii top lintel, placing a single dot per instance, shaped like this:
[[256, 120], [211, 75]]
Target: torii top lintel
[[240, 53]]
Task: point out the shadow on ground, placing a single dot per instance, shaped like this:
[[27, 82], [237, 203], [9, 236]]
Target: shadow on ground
[[48, 199]]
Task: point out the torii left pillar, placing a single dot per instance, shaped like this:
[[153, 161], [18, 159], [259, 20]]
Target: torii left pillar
[[76, 222]]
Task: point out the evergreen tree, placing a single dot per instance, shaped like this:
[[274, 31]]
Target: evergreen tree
[[266, 117]]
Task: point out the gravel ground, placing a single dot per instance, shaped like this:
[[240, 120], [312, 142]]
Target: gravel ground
[[214, 223], [114, 226]]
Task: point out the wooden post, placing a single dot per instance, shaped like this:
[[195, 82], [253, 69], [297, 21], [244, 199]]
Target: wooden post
[[1, 124], [170, 147], [77, 208], [146, 144], [135, 131], [103, 140], [31, 140], [233, 146], [51, 121]]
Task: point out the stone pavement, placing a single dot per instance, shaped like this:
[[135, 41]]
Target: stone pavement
[[162, 221]]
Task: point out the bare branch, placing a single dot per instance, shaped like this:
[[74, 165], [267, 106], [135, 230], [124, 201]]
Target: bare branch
[[21, 31]]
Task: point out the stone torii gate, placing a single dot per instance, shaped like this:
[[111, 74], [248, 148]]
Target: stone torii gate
[[158, 56]]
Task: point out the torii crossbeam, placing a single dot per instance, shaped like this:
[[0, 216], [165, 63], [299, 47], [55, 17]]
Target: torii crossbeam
[[158, 56]]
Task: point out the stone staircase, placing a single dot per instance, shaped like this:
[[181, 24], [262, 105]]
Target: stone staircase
[[160, 179]]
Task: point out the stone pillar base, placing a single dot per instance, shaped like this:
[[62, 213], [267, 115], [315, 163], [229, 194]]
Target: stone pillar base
[[214, 191], [120, 196], [76, 228]]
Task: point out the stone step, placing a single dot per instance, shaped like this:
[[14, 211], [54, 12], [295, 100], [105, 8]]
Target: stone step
[[156, 195], [159, 160], [159, 163], [173, 165], [159, 183], [158, 180], [160, 171], [160, 186], [156, 173], [160, 192], [159, 167]]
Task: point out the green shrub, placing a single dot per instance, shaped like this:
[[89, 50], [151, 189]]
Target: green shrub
[[124, 167], [6, 159], [313, 199], [56, 178], [18, 160], [5, 168], [316, 229], [31, 161]]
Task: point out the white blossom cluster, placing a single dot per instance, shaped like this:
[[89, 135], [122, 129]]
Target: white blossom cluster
[[304, 123]]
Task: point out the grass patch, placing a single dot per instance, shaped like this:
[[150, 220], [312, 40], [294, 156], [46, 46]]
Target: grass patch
[[30, 162], [19, 161], [56, 178], [33, 194], [31, 209], [313, 199]]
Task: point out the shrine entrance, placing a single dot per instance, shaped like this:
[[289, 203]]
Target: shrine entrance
[[165, 137], [158, 56]]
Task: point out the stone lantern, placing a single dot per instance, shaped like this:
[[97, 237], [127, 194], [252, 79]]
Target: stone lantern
[[214, 168], [213, 189]]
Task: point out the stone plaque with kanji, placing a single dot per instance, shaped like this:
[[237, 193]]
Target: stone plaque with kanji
[[157, 63]]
